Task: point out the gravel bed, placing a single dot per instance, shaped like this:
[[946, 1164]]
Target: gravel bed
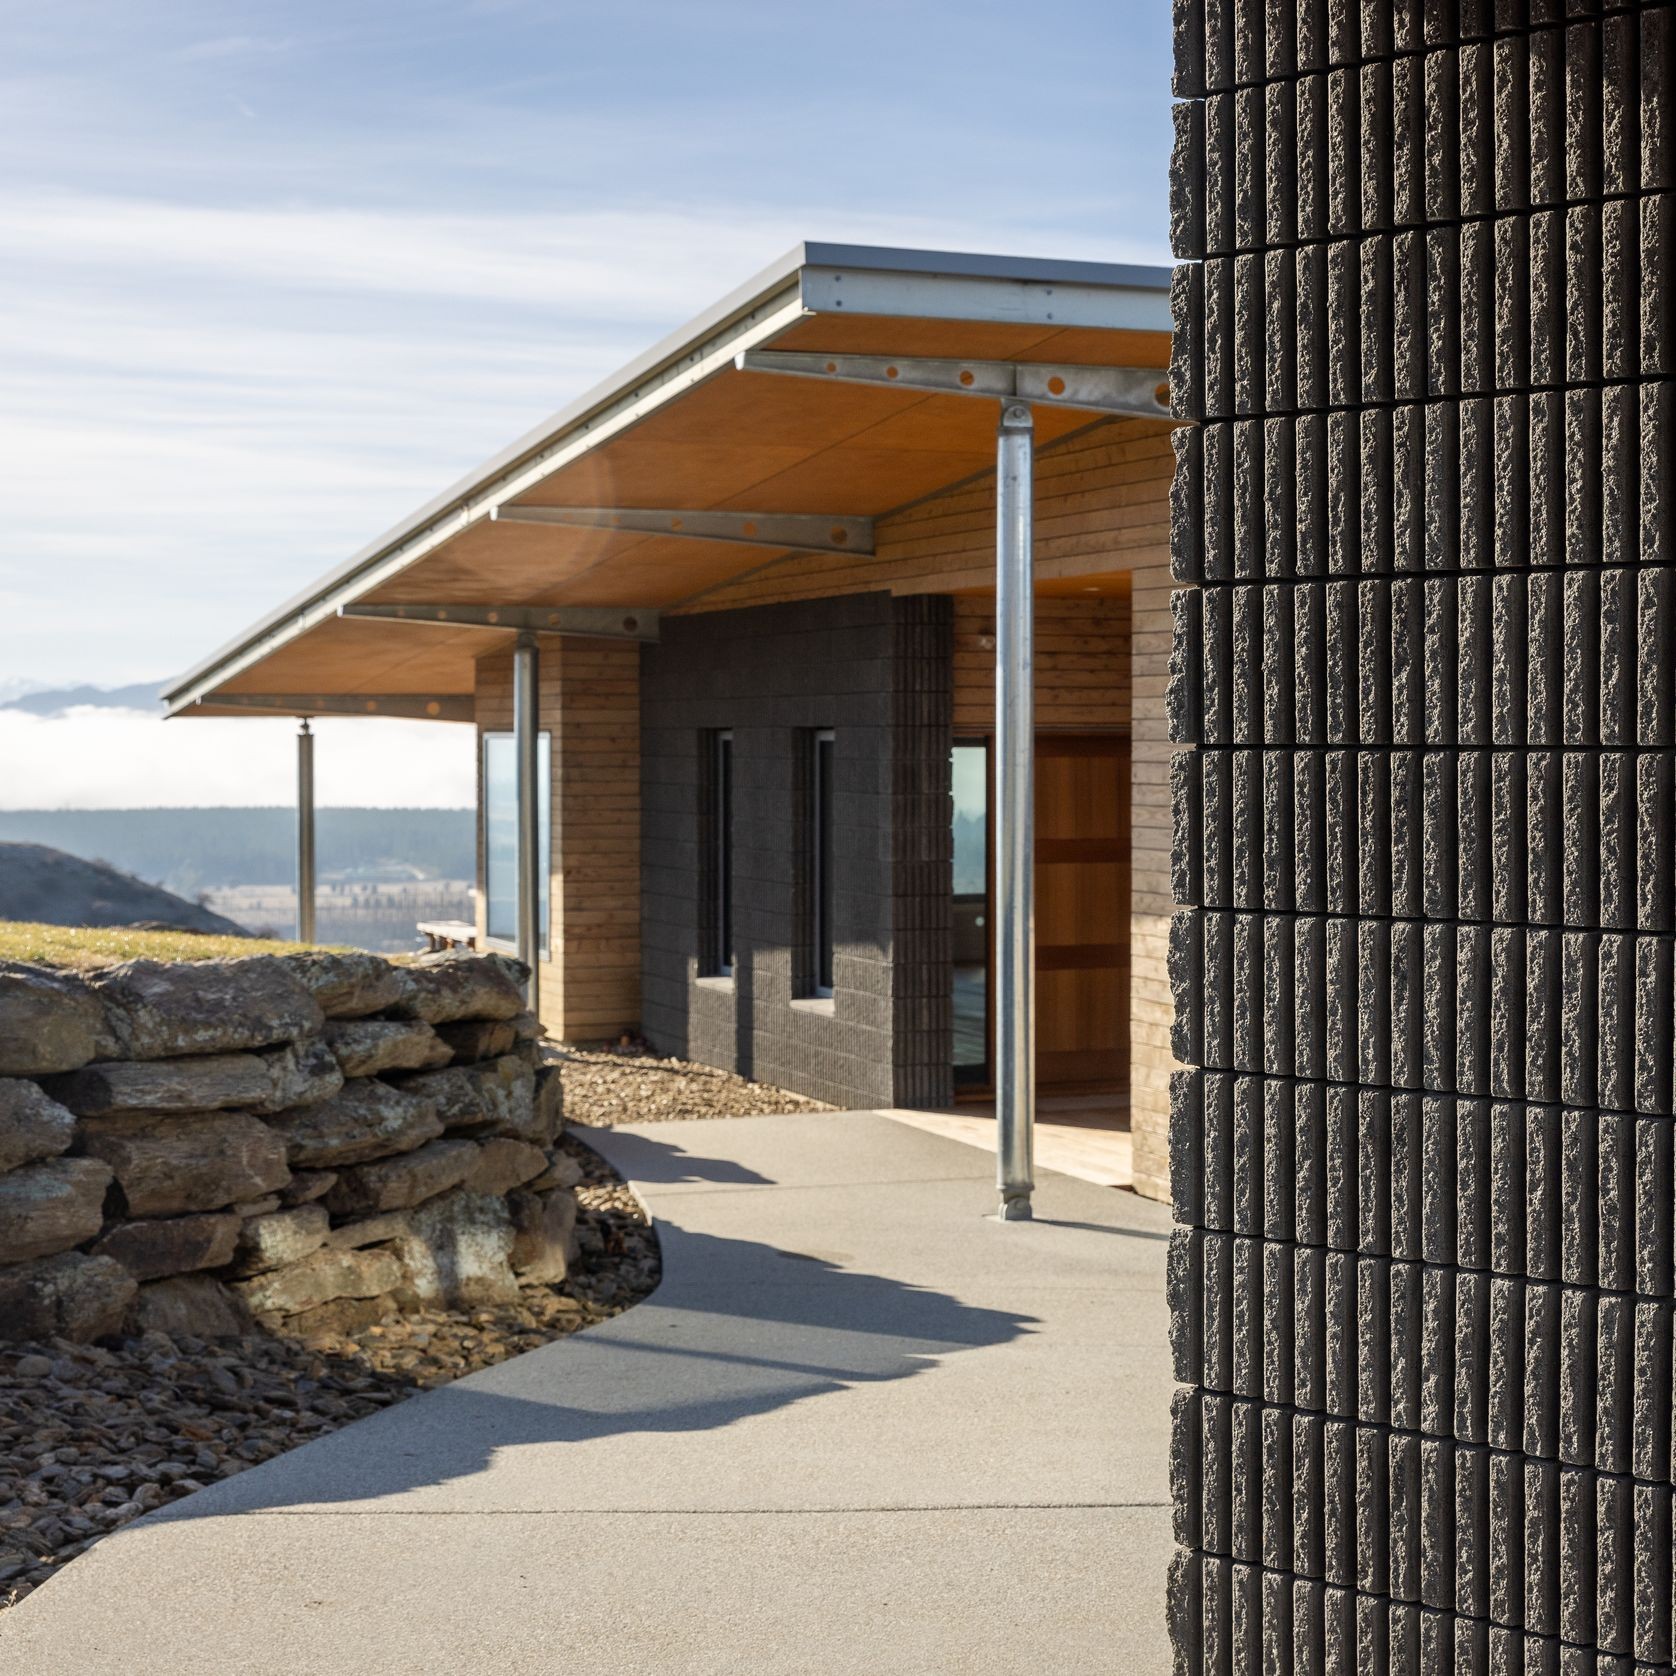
[[92, 1436], [604, 1086]]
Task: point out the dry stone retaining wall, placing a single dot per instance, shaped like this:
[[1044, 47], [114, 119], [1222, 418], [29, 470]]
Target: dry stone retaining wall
[[1422, 1293], [305, 1142]]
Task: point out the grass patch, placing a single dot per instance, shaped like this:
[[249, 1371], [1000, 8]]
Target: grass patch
[[85, 947]]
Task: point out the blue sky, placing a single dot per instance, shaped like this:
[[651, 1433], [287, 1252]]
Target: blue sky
[[273, 274]]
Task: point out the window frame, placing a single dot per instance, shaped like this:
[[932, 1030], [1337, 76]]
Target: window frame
[[721, 953], [820, 849], [544, 796]]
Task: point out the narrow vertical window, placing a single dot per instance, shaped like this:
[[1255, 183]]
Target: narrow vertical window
[[721, 853], [500, 835], [821, 894]]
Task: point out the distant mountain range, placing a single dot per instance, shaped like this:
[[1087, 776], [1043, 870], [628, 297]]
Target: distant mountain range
[[41, 700], [191, 850]]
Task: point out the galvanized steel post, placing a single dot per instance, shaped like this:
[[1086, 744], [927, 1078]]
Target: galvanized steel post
[[1015, 777], [526, 741], [305, 833]]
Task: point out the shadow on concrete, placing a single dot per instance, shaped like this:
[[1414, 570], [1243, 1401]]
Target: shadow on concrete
[[1108, 1228], [737, 1329], [659, 1163]]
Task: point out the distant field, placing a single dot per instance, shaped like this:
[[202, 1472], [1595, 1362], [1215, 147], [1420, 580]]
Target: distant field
[[80, 949], [377, 917]]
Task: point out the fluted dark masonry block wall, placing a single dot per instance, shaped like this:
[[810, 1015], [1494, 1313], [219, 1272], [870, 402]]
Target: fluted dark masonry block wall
[[1424, 680]]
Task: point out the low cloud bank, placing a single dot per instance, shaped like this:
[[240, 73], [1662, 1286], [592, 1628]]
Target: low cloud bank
[[99, 758]]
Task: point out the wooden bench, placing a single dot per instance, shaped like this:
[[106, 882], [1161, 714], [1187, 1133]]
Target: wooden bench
[[448, 934]]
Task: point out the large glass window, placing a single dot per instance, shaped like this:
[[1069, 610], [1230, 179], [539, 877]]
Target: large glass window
[[500, 834], [971, 911], [720, 846], [823, 750]]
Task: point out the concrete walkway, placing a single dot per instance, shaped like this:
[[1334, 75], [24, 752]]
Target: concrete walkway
[[860, 1430]]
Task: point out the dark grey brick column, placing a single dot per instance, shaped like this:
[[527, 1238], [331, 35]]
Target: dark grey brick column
[[1422, 1286], [878, 671]]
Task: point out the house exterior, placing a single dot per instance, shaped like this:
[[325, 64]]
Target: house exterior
[[766, 685]]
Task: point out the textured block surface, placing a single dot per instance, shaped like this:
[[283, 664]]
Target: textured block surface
[[1424, 955]]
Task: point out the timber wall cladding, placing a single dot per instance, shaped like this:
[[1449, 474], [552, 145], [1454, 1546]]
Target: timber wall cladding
[[590, 705], [1422, 1286]]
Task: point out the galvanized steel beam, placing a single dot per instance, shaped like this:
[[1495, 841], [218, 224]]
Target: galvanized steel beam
[[450, 707], [596, 622], [795, 532], [1138, 392]]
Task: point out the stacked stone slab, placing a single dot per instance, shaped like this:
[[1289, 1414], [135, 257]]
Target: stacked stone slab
[[303, 1143], [1422, 1286]]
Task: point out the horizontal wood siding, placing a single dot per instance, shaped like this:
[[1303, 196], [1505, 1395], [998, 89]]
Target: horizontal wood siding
[[590, 704], [1082, 663]]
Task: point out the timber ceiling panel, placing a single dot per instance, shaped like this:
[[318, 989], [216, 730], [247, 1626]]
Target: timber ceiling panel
[[739, 441]]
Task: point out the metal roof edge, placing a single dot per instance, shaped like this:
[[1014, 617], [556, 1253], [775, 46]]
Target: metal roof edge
[[975, 265], [780, 275]]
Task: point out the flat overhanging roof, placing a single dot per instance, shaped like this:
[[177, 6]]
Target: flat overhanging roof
[[683, 427]]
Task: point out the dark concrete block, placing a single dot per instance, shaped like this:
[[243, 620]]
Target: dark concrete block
[[1340, 1315], [1245, 1482], [1505, 1538], [1655, 656], [1546, 118], [1505, 1386], [1280, 519], [1404, 1516], [1615, 1021], [1657, 124], [1542, 1318], [1309, 1012], [1275, 1480], [1406, 1358], [1511, 126], [1657, 342], [1187, 182], [1578, 1551], [1541, 1557], [1307, 1499], [1577, 1376], [1372, 1492]]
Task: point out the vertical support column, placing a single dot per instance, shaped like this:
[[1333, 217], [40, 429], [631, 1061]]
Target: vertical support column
[[526, 744], [1015, 807], [305, 833]]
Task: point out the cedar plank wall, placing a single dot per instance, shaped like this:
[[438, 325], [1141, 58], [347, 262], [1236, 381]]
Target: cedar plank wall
[[590, 703], [1102, 505]]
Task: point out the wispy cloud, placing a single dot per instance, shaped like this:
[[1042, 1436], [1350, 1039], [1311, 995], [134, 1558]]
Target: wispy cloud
[[223, 47], [205, 407], [274, 275]]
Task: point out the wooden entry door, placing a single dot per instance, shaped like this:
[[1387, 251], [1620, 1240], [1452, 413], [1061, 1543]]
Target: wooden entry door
[[1082, 910]]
